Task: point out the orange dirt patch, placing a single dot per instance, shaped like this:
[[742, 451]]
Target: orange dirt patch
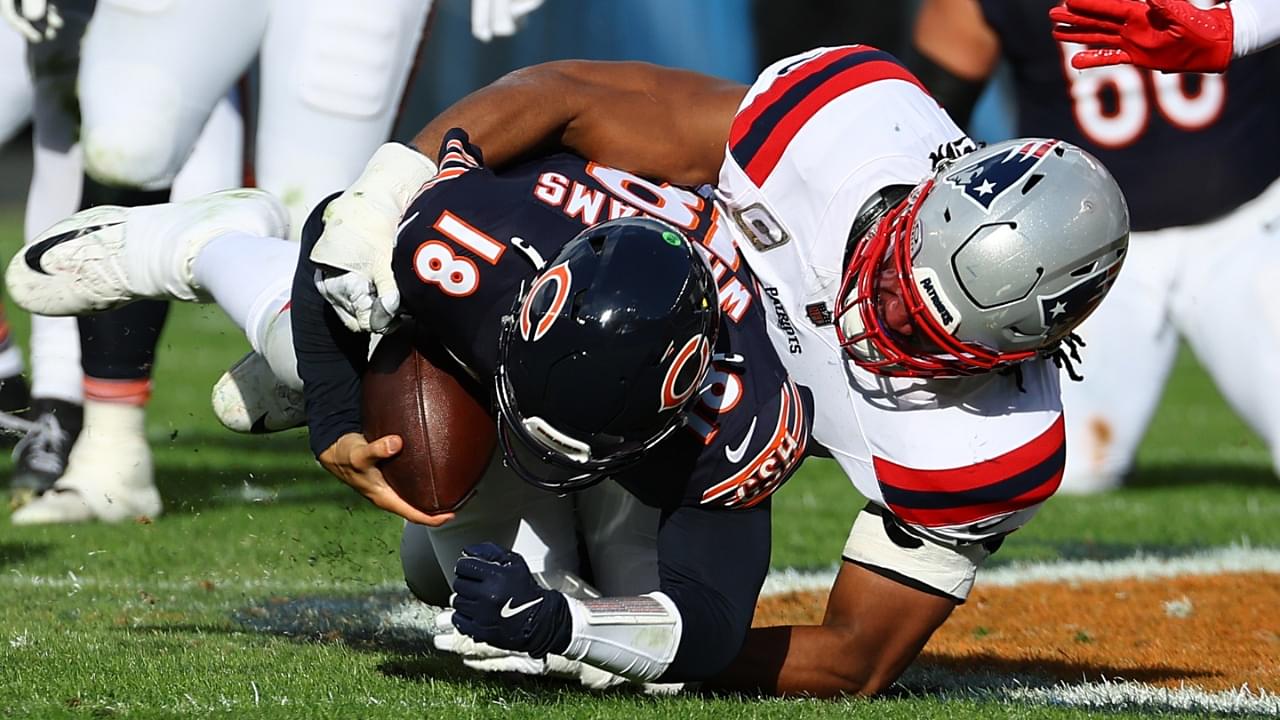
[[1213, 631]]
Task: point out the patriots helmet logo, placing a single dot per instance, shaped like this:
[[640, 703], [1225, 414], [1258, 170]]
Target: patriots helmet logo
[[986, 180], [1065, 310]]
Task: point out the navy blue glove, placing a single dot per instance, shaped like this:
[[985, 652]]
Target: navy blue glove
[[497, 601]]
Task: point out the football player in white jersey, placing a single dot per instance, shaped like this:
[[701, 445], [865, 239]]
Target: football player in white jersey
[[46, 44], [922, 288], [331, 78]]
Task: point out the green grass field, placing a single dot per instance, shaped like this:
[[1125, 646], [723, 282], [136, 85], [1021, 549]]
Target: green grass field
[[256, 593]]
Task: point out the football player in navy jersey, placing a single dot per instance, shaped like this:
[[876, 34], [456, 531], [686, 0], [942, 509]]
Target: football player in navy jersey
[[920, 287], [1198, 156], [635, 353]]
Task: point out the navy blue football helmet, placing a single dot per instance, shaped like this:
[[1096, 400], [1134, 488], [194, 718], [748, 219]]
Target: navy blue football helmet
[[603, 351]]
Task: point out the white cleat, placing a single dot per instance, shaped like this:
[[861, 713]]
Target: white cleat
[[109, 474], [108, 256], [249, 399]]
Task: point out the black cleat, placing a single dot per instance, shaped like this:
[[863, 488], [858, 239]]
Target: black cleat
[[15, 398], [40, 457]]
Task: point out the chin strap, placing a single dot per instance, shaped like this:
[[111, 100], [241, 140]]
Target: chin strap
[[635, 637]]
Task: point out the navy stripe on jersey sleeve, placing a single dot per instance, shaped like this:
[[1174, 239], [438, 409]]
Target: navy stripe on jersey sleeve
[[331, 358], [1016, 480], [761, 132]]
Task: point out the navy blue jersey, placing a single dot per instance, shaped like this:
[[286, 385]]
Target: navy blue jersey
[[1185, 148], [474, 238], [467, 245]]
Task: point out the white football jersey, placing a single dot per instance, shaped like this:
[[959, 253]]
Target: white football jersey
[[816, 136]]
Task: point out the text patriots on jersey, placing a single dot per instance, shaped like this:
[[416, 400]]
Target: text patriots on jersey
[[783, 321]]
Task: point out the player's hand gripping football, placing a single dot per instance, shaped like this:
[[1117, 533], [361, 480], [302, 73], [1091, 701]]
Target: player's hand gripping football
[[354, 461], [1169, 35], [497, 601], [360, 227], [37, 20]]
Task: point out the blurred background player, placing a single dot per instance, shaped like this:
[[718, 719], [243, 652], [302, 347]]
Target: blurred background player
[[331, 77], [1198, 157], [43, 47]]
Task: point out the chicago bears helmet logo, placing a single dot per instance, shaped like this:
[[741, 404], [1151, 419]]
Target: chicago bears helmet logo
[[543, 303], [686, 371], [986, 180]]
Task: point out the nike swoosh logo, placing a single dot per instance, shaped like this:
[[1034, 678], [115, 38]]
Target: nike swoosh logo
[[37, 251], [735, 454], [507, 611], [403, 224]]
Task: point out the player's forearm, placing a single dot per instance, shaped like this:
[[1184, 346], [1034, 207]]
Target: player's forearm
[[653, 121], [814, 661]]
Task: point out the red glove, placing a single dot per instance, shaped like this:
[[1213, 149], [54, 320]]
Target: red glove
[[1169, 35]]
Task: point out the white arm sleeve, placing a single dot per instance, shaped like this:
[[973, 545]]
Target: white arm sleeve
[[635, 637], [1257, 25]]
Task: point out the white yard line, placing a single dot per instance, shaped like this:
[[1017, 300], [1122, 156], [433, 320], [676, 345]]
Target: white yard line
[[1093, 695], [1233, 559], [73, 582]]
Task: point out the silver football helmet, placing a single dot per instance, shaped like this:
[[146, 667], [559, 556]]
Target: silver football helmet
[[995, 260]]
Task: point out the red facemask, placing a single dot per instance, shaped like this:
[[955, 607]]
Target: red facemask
[[930, 350]]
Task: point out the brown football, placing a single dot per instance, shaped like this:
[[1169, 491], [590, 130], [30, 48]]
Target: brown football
[[412, 388]]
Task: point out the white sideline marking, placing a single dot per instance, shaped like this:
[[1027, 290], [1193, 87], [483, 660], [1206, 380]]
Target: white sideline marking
[[1232, 559], [74, 583], [1094, 695]]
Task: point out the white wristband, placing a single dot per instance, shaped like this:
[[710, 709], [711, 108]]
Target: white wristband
[[397, 172], [1257, 25], [635, 637]]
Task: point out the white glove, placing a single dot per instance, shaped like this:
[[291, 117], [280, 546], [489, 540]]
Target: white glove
[[487, 658], [360, 228], [37, 20], [499, 18]]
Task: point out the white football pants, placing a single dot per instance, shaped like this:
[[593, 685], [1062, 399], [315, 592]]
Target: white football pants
[[1214, 284], [332, 74], [48, 100]]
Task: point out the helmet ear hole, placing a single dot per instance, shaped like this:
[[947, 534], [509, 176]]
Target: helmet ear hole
[[1084, 269], [575, 310]]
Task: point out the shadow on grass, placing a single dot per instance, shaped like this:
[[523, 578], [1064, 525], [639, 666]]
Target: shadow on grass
[[16, 553], [986, 669], [391, 623], [190, 491], [1194, 474]]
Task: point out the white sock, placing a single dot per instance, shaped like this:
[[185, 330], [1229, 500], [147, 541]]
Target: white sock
[[247, 276], [272, 338], [55, 359]]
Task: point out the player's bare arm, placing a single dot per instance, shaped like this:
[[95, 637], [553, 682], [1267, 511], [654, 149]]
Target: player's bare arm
[[873, 629], [955, 51], [650, 120]]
